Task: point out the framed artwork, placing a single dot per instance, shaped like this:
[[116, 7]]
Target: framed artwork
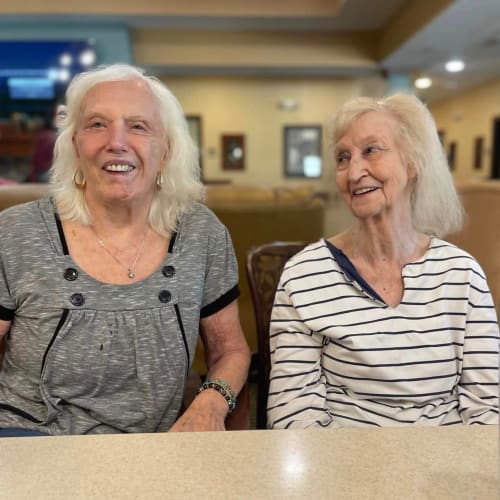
[[194, 126], [302, 151], [478, 152], [441, 135], [233, 152], [452, 151]]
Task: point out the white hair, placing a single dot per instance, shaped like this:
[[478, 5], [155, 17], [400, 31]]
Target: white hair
[[436, 207], [181, 184]]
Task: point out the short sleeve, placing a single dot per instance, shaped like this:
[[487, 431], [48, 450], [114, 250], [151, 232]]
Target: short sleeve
[[7, 302], [221, 279]]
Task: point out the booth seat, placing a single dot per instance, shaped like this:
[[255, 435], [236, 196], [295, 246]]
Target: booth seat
[[13, 194], [252, 214], [481, 233]]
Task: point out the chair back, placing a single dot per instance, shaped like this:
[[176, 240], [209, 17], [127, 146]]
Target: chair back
[[264, 265]]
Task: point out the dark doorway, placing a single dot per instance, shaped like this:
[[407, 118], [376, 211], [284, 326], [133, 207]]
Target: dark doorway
[[495, 156]]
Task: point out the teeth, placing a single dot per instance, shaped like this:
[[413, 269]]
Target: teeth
[[364, 190], [118, 168]]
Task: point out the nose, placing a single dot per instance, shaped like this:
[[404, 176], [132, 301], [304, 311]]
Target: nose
[[357, 168], [118, 140]]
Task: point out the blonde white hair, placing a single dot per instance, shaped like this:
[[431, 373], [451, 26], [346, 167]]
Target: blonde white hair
[[181, 184], [436, 207]]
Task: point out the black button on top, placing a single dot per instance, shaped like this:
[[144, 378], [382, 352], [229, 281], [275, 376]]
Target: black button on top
[[70, 274], [168, 271], [77, 299], [165, 296]]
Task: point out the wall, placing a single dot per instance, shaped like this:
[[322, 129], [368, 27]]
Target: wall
[[464, 117], [249, 105]]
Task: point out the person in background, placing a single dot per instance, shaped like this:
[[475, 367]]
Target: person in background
[[43, 147], [105, 285], [385, 324]]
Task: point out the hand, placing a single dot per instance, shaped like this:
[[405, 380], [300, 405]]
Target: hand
[[207, 412]]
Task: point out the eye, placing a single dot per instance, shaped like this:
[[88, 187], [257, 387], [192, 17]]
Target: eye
[[138, 126], [369, 150], [342, 158], [96, 124]]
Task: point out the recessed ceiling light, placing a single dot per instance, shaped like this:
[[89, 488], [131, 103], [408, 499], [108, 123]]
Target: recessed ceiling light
[[64, 75], [87, 58], [423, 83], [65, 59], [454, 66]]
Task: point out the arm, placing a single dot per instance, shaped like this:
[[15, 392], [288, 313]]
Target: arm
[[297, 390], [4, 328], [227, 358], [478, 384]]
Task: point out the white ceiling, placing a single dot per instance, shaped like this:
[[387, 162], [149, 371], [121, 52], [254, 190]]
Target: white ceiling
[[469, 29]]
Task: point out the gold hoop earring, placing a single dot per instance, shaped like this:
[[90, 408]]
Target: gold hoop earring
[[79, 180], [159, 180]]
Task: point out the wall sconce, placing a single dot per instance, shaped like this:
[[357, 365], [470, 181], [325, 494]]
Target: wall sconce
[[288, 104]]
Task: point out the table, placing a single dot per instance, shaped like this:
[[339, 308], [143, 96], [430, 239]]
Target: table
[[458, 462]]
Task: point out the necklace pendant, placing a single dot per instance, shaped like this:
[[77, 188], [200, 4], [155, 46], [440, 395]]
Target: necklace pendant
[[131, 274]]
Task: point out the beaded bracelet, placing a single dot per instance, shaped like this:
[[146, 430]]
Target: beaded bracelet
[[223, 388]]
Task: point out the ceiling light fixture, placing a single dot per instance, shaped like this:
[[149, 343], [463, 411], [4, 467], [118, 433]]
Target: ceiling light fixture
[[423, 83], [87, 58], [65, 59], [454, 66]]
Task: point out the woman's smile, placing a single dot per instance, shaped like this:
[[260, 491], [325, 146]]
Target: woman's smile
[[119, 142]]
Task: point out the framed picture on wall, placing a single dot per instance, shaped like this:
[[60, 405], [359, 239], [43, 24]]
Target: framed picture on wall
[[441, 135], [452, 152], [478, 152], [194, 125], [302, 151], [233, 152]]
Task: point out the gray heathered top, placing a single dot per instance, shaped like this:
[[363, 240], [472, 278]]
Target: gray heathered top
[[89, 357]]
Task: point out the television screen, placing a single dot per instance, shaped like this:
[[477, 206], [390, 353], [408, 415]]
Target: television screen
[[30, 88]]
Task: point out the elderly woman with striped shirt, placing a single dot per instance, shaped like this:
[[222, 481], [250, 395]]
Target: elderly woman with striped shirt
[[385, 324]]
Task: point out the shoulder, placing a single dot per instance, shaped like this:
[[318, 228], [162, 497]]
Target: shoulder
[[24, 212], [444, 254], [314, 257], [198, 214], [445, 250], [310, 253], [199, 226], [24, 228]]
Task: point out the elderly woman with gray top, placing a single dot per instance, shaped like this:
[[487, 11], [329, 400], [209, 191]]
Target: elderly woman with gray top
[[105, 285]]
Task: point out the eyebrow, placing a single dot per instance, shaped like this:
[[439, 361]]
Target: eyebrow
[[137, 118], [368, 139]]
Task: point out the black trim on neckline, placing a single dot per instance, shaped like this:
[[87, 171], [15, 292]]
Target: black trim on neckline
[[350, 271], [172, 242], [61, 234]]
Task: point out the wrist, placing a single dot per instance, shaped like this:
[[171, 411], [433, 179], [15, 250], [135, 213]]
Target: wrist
[[222, 388]]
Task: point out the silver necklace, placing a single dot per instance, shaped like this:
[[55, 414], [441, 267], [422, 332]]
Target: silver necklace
[[130, 268]]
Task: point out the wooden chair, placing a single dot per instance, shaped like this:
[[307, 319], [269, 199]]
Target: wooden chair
[[264, 265]]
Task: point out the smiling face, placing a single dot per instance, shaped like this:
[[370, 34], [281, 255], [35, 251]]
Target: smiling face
[[371, 174], [119, 142]]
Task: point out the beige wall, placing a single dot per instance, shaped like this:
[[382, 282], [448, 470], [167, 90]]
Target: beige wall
[[249, 106], [465, 117]]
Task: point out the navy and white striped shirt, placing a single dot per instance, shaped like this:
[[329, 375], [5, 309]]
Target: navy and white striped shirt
[[342, 357]]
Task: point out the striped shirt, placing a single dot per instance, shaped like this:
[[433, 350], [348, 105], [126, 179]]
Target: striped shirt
[[342, 357]]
